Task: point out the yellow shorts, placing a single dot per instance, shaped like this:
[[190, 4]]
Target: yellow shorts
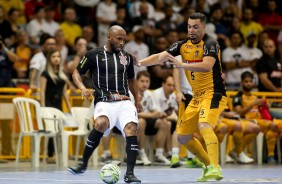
[[219, 126], [231, 123], [205, 107], [263, 124]]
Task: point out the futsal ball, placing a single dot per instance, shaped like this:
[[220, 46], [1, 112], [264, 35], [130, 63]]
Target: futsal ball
[[110, 173]]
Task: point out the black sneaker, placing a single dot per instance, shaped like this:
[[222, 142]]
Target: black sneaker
[[130, 178], [78, 169]]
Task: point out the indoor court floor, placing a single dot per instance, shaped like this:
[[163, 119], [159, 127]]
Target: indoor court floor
[[50, 174]]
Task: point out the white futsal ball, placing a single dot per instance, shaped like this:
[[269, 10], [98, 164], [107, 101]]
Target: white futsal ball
[[110, 173]]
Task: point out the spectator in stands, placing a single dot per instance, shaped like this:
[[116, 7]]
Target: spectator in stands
[[5, 27], [38, 61], [53, 88], [165, 101], [84, 11], [88, 34], [159, 13], [151, 121], [30, 7], [248, 26], [61, 45], [137, 47], [236, 60], [37, 26], [24, 53], [53, 26], [7, 58], [123, 21], [247, 106], [15, 4], [157, 72], [166, 24], [147, 23], [279, 39], [105, 15], [270, 74], [13, 16], [261, 38], [135, 11], [271, 20], [80, 48], [69, 27], [182, 27], [254, 6]]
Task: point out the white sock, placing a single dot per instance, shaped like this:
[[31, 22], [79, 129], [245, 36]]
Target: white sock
[[175, 152], [159, 151], [190, 155], [141, 152], [106, 153]]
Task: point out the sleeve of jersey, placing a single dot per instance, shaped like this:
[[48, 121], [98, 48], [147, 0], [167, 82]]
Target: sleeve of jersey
[[237, 100], [85, 63], [174, 49], [211, 48], [130, 70]]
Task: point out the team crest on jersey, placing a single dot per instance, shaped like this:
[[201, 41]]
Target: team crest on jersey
[[196, 54], [123, 60], [188, 46]]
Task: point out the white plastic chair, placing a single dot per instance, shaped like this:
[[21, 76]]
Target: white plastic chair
[[81, 114], [53, 121], [25, 107]]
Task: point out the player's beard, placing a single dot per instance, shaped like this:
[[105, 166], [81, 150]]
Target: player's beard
[[114, 48], [248, 89]]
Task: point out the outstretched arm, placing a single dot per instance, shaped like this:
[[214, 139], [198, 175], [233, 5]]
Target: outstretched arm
[[155, 59]]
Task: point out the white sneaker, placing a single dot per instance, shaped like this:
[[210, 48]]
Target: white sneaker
[[244, 159], [145, 160], [228, 159], [160, 159]]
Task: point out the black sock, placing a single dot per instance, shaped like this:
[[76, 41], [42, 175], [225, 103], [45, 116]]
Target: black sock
[[91, 144], [131, 151]]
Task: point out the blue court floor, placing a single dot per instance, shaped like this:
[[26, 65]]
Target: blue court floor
[[50, 174]]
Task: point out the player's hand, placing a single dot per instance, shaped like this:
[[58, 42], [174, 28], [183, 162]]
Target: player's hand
[[139, 107], [163, 57], [175, 62], [179, 97], [157, 114], [86, 93]]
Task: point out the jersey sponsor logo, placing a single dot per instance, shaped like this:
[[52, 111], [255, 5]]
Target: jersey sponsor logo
[[206, 50], [276, 74], [196, 54], [188, 46], [82, 62], [122, 60]]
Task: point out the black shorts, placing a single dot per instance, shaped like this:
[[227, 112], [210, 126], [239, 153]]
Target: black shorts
[[173, 126], [150, 126]]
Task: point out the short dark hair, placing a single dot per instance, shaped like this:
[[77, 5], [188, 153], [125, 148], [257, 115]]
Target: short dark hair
[[246, 74], [143, 73], [198, 15], [44, 37], [165, 77]]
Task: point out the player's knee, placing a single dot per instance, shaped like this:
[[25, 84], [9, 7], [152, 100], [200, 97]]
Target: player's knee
[[238, 127], [256, 129], [141, 124], [130, 129], [223, 129], [183, 139], [101, 124], [161, 125]]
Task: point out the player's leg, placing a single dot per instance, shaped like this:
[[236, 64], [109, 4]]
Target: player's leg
[[175, 161], [102, 126], [128, 123], [142, 125], [161, 127], [210, 111]]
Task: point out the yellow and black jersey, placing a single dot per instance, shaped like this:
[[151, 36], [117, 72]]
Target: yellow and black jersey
[[245, 100], [194, 53]]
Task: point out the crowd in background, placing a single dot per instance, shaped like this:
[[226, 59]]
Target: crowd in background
[[240, 26]]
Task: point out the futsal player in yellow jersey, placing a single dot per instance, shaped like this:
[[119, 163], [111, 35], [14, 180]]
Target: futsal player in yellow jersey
[[247, 105], [201, 60]]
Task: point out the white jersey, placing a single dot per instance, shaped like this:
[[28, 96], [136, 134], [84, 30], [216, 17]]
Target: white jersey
[[163, 103], [38, 62], [147, 101]]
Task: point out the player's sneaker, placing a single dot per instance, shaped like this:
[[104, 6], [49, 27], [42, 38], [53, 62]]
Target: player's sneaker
[[203, 178], [233, 155], [244, 159], [160, 159], [193, 163], [130, 178], [80, 168], [145, 160], [174, 162], [213, 172], [228, 159]]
